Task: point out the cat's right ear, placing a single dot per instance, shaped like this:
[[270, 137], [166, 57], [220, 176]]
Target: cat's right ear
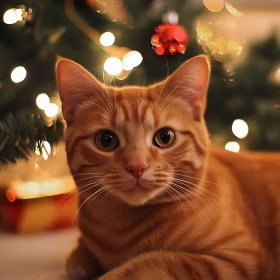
[[75, 85]]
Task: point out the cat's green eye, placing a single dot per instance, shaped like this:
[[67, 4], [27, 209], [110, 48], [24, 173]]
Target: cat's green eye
[[106, 140], [164, 138]]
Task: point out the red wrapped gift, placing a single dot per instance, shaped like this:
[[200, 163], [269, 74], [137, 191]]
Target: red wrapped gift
[[29, 207]]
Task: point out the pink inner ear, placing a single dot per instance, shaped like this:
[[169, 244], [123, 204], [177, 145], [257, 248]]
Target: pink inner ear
[[73, 80], [191, 80], [75, 85]]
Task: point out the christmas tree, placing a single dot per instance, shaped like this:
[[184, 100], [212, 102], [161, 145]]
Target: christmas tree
[[242, 96]]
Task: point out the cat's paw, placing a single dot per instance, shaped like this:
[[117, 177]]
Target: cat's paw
[[78, 273]]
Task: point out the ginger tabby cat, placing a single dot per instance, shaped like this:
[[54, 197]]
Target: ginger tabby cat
[[157, 201]]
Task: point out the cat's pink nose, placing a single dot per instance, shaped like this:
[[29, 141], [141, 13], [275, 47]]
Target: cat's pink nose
[[136, 170]]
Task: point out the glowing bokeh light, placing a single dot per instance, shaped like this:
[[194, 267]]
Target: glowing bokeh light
[[240, 128], [10, 16], [18, 13], [46, 150], [51, 110], [232, 147], [214, 5], [10, 195], [18, 74], [32, 189], [131, 59], [113, 66], [107, 39], [42, 101]]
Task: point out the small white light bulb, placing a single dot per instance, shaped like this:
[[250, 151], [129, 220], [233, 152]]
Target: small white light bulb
[[51, 110], [131, 59], [232, 147], [46, 150], [18, 74], [240, 128], [10, 16], [113, 66], [18, 13], [42, 101], [107, 39]]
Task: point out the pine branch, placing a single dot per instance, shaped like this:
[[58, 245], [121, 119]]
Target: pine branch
[[22, 133]]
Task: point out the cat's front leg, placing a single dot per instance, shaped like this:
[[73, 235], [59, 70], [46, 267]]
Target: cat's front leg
[[81, 264], [166, 265]]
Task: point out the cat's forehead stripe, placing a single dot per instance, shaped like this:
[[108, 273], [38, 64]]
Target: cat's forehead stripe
[[135, 110]]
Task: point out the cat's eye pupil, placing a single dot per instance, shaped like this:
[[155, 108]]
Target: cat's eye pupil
[[106, 139], [165, 136]]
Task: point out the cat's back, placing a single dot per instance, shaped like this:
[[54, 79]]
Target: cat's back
[[257, 172], [255, 179]]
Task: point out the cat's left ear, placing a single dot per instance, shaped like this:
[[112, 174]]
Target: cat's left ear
[[190, 82]]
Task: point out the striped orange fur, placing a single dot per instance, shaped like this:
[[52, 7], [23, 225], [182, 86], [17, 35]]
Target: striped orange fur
[[186, 210]]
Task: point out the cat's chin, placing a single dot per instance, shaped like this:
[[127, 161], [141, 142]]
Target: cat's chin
[[138, 195]]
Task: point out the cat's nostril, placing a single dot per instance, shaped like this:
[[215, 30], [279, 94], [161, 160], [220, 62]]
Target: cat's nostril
[[136, 170]]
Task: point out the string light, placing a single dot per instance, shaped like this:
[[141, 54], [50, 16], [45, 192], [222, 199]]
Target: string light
[[214, 5], [10, 16], [240, 128], [19, 14], [107, 39], [46, 150], [42, 101], [232, 147], [18, 74], [51, 110], [113, 66], [131, 59]]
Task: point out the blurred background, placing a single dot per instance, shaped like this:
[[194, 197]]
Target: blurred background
[[122, 42]]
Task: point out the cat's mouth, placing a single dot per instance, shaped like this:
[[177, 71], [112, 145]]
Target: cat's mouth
[[138, 193], [136, 188]]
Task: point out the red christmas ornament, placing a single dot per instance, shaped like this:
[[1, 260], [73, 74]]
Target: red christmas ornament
[[170, 39]]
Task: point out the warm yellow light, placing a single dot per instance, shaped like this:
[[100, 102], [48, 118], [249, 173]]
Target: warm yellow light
[[18, 13], [46, 150], [42, 101], [233, 10], [232, 146], [214, 5], [240, 129], [107, 39], [277, 75], [51, 110], [10, 16], [27, 190], [113, 66], [32, 189], [131, 59], [18, 74]]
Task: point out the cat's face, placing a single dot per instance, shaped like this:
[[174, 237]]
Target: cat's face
[[136, 143]]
